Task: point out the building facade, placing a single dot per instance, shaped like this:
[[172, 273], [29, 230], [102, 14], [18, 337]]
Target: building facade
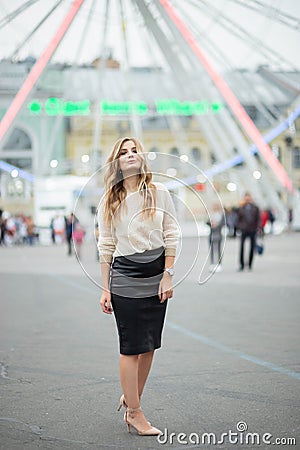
[[75, 114]]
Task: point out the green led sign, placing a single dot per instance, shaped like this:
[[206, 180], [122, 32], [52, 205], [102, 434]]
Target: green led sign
[[123, 108], [35, 107], [55, 106], [175, 107]]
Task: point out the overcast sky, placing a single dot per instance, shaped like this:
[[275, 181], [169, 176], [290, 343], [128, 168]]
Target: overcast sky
[[208, 20]]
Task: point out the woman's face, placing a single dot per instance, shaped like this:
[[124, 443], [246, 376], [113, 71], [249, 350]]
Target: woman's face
[[129, 160]]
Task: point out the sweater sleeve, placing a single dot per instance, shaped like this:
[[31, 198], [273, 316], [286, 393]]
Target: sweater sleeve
[[171, 230], [106, 241]]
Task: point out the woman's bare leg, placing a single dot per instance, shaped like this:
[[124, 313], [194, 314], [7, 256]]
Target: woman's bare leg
[[129, 379], [129, 375], [144, 366]]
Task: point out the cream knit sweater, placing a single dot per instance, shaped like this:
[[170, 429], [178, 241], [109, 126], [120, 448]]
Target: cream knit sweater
[[132, 233]]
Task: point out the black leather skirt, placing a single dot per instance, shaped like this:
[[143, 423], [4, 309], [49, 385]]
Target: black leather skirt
[[139, 315]]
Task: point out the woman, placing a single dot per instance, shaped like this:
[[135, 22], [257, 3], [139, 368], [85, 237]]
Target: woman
[[139, 233]]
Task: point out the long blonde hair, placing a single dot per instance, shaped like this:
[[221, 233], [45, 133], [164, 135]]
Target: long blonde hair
[[115, 189]]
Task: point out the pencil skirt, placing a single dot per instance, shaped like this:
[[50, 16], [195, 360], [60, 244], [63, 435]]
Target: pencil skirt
[[134, 283]]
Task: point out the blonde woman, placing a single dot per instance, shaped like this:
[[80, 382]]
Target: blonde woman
[[137, 243]]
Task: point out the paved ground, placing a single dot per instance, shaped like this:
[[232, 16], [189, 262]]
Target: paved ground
[[230, 352]]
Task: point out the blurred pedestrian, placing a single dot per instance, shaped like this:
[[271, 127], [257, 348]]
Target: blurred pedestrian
[[248, 222], [96, 239], [23, 231], [231, 219], [264, 218], [272, 218], [77, 236], [70, 223], [10, 230], [290, 219], [216, 223], [18, 223], [30, 230], [59, 228], [2, 228], [138, 235], [52, 230]]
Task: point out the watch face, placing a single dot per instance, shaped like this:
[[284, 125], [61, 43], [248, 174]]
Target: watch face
[[170, 271]]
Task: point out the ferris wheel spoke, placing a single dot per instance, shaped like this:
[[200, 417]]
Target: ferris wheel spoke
[[271, 13], [249, 39], [36, 28], [11, 16]]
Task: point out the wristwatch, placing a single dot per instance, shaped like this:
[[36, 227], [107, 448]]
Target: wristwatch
[[170, 271]]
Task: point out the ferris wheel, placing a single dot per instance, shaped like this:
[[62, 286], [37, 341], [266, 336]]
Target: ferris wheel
[[196, 43]]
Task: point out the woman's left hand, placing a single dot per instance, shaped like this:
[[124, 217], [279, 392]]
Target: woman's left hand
[[165, 290]]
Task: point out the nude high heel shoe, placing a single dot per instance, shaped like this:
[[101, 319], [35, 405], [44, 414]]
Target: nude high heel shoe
[[130, 415], [122, 403]]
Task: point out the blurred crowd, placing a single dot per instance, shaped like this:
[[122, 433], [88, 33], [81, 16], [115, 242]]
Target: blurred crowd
[[247, 222], [20, 229], [17, 229]]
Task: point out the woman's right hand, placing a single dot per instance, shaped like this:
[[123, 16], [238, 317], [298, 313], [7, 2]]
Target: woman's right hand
[[105, 302]]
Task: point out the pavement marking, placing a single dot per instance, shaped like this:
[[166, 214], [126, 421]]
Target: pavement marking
[[71, 283], [226, 349], [200, 337]]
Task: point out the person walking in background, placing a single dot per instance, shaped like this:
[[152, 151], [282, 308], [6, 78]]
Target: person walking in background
[[70, 223], [59, 228], [248, 222], [138, 231], [10, 230], [96, 234], [31, 235], [271, 217], [52, 230], [231, 218], [2, 228], [264, 218], [23, 231], [216, 223], [290, 219], [78, 235]]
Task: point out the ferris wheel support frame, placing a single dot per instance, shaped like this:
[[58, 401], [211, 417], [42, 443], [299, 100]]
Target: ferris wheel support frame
[[35, 73], [214, 134], [172, 56], [270, 113], [232, 101], [223, 139]]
